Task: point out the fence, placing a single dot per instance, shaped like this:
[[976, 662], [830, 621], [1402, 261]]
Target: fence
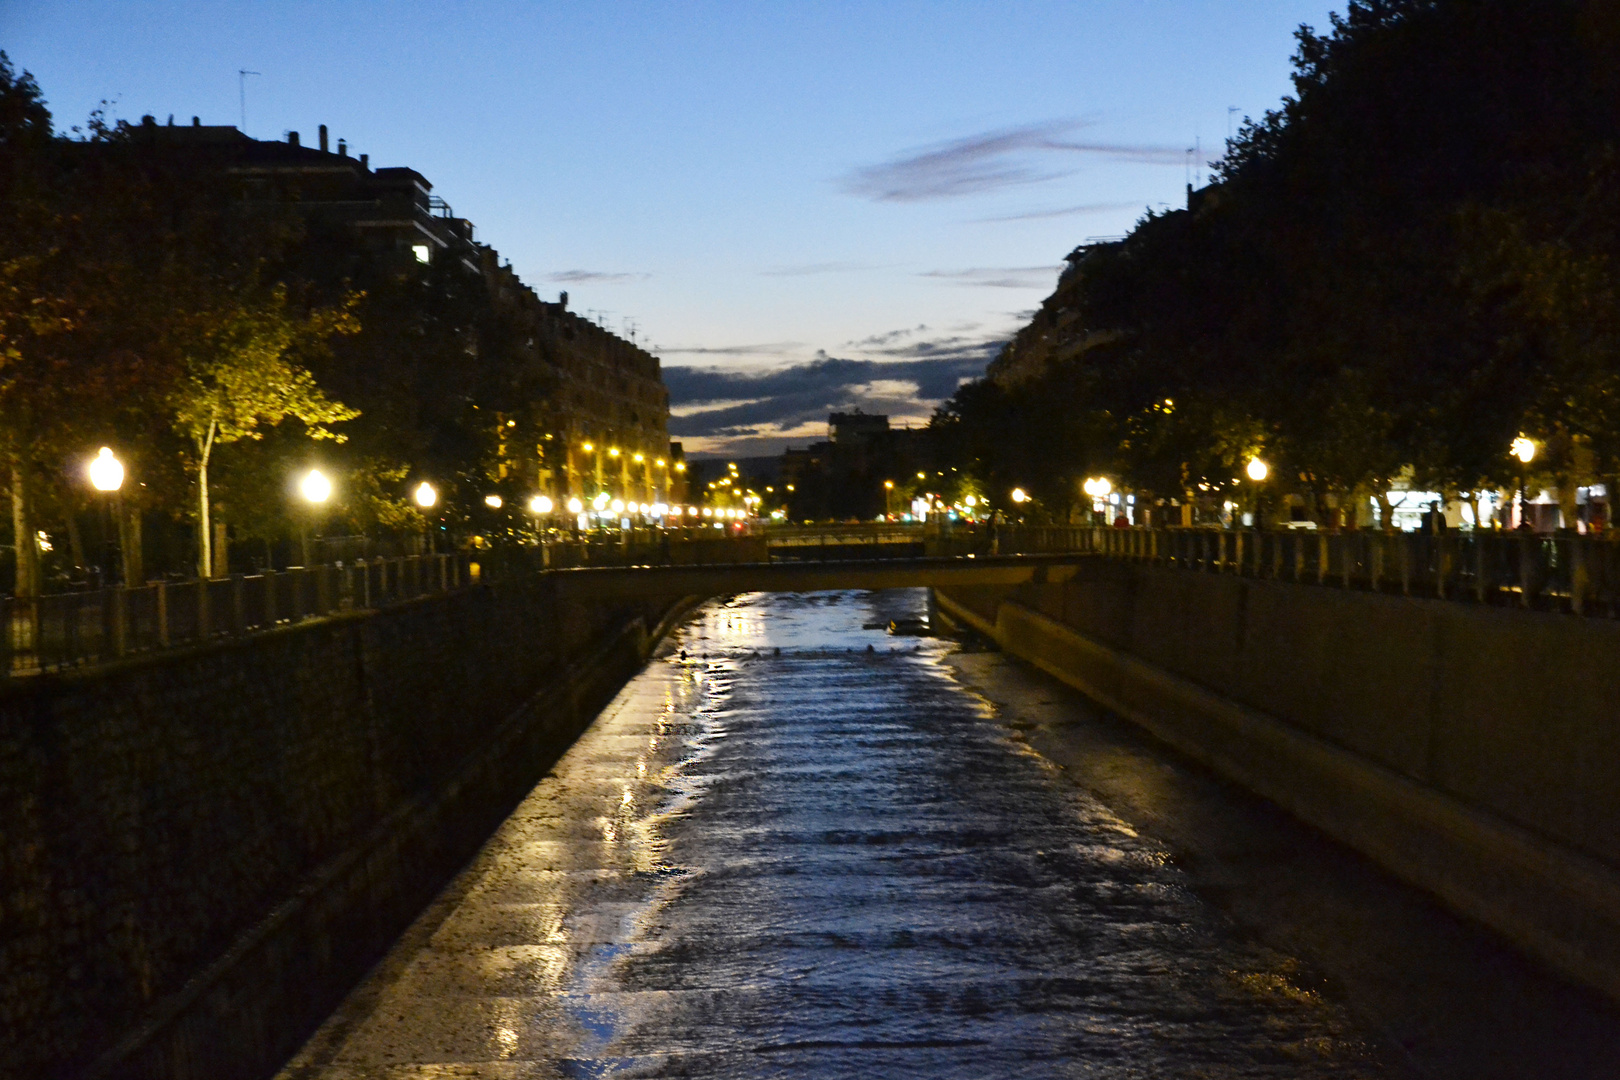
[[1558, 572], [71, 629], [67, 629]]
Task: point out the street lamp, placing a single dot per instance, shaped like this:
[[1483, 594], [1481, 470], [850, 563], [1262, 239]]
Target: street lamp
[[1525, 450], [492, 501], [1019, 495], [1257, 471], [106, 471], [540, 505], [107, 475], [425, 498], [315, 489]]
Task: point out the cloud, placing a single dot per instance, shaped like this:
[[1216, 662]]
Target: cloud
[[1066, 211], [722, 408], [1000, 277], [603, 277], [992, 161], [807, 269], [770, 348]]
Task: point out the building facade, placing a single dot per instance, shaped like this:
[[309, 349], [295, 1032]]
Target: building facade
[[604, 420]]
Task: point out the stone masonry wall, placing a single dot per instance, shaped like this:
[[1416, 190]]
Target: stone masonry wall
[[153, 813]]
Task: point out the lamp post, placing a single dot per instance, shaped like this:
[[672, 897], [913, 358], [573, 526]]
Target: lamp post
[[107, 475], [888, 498], [315, 489], [1524, 449], [1098, 487], [1257, 471], [426, 498]]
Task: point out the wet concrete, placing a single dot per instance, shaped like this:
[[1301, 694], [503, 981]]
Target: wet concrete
[[835, 861]]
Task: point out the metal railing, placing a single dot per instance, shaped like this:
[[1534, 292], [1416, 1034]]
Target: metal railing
[[56, 631], [1545, 572], [60, 630]]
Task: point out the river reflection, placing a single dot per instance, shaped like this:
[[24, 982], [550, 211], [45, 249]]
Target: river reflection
[[803, 849]]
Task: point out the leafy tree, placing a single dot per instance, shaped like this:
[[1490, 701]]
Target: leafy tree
[[242, 377]]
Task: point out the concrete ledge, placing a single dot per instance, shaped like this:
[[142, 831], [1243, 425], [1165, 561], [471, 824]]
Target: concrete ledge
[[1558, 905], [253, 1006]]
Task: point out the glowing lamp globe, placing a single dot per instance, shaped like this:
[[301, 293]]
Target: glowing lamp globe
[[106, 471], [315, 487], [1257, 470], [540, 505], [1523, 449], [424, 495]]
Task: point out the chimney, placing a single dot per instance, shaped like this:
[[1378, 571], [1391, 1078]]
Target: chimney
[[343, 148], [196, 121], [562, 298], [292, 138], [365, 161], [149, 120], [323, 138]]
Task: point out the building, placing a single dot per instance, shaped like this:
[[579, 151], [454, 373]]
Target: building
[[606, 415]]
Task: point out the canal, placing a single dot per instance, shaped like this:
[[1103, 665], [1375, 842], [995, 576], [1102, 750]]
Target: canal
[[800, 845]]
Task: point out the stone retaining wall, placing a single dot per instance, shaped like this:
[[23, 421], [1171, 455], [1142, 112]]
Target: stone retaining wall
[[200, 852]]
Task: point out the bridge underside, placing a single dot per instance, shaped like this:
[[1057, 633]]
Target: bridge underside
[[601, 583]]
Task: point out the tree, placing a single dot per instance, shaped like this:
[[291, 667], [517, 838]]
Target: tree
[[242, 377]]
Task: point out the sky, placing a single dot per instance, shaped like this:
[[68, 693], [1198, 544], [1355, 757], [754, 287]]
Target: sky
[[800, 207]]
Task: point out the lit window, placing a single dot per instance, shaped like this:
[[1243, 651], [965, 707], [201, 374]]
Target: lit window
[[421, 252]]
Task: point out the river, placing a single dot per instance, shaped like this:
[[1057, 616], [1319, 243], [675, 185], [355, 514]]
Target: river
[[800, 845]]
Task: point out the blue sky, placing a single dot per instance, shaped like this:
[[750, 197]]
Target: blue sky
[[798, 206]]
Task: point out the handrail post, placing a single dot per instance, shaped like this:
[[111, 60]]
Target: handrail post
[[120, 620], [238, 605], [1579, 575], [162, 614]]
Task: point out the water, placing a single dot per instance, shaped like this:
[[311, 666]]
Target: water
[[823, 862]]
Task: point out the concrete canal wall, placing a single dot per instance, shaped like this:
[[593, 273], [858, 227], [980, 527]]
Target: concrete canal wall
[[1473, 751], [201, 852]]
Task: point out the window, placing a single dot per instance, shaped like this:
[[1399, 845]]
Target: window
[[421, 252]]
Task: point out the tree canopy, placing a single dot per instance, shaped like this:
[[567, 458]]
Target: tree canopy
[[1406, 264]]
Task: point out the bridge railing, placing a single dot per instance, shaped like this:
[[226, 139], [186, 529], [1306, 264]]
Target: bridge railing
[[76, 629], [1549, 572]]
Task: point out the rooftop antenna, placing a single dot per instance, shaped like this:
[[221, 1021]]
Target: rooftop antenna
[[1198, 157], [241, 93]]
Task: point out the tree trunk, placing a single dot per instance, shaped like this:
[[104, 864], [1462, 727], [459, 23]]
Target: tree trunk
[[76, 541], [129, 542], [1386, 513], [205, 561], [22, 526], [222, 556]]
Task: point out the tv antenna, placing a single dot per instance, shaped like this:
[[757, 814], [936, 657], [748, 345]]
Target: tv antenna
[[241, 93]]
